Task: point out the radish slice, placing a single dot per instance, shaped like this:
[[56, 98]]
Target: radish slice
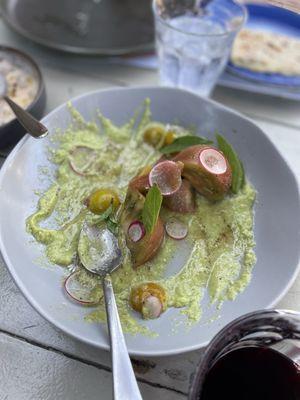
[[81, 294], [213, 161], [81, 158], [136, 231], [167, 176], [176, 229], [152, 307], [76, 169]]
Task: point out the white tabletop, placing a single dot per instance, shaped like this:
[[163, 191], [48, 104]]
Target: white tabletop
[[37, 361]]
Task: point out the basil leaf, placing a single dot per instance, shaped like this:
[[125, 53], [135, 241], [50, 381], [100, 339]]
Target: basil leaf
[[183, 142], [238, 174], [151, 208]]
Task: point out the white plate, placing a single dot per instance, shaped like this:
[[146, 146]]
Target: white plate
[[277, 218]]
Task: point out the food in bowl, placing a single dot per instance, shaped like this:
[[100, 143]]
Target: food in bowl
[[163, 191], [22, 83], [268, 52]]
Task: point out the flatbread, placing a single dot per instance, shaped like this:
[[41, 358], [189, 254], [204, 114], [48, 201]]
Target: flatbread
[[266, 52]]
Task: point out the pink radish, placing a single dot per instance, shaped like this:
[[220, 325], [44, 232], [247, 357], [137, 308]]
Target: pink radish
[[167, 176], [85, 152], [76, 169], [176, 229], [136, 231], [152, 307], [213, 161], [78, 292]]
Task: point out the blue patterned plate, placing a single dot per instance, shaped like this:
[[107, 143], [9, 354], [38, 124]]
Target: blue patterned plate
[[277, 20]]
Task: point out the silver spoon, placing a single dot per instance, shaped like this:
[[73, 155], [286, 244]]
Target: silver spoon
[[32, 125], [100, 254]]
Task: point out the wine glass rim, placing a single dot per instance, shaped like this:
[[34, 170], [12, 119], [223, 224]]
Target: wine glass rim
[[244, 15]]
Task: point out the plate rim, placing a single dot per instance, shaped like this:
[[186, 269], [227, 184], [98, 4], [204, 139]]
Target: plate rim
[[105, 346], [93, 51], [280, 81]]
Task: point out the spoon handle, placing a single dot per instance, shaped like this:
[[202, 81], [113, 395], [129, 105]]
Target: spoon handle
[[34, 127], [124, 382]]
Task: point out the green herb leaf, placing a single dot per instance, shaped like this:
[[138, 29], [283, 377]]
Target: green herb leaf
[[183, 142], [238, 174], [112, 225], [106, 213], [243, 173], [151, 208], [102, 217]]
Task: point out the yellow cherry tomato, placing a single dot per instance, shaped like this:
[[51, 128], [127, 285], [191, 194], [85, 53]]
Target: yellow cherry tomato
[[154, 134], [139, 294], [169, 138], [101, 199]]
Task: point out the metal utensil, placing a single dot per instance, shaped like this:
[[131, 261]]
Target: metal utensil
[[101, 256], [32, 125]]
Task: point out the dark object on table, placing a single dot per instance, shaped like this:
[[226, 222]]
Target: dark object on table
[[12, 131], [257, 356], [253, 373], [107, 27]]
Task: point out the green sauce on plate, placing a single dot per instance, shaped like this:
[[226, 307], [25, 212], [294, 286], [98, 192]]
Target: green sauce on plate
[[220, 241]]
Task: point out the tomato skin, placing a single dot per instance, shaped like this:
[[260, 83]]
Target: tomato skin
[[213, 186]]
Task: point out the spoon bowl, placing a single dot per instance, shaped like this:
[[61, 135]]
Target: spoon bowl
[[99, 250]]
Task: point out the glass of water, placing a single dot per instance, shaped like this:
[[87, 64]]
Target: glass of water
[[194, 39]]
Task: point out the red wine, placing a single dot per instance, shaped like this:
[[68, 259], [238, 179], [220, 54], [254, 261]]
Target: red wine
[[252, 373]]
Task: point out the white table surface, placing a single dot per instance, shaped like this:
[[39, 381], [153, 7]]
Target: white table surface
[[37, 361]]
